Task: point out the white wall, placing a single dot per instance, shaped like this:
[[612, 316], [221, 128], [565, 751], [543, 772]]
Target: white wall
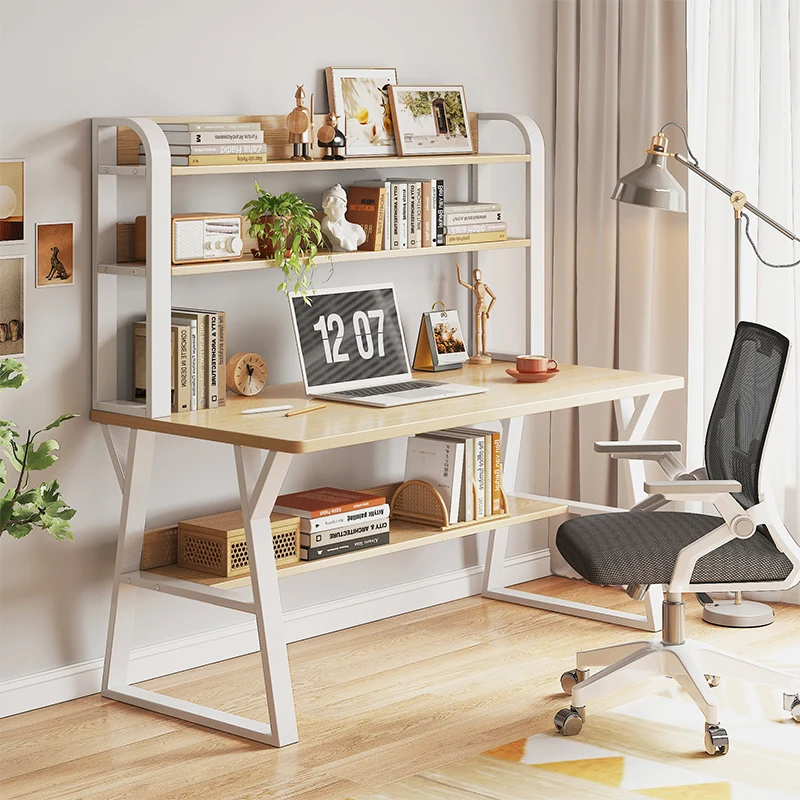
[[68, 62]]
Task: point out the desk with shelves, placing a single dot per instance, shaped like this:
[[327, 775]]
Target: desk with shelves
[[264, 447]]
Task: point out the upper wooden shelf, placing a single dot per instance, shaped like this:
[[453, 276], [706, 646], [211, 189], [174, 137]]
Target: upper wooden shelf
[[248, 263]]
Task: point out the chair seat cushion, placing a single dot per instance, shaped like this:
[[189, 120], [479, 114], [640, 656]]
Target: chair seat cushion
[[641, 547]]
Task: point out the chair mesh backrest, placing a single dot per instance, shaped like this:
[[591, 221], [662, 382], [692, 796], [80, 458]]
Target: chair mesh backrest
[[743, 409]]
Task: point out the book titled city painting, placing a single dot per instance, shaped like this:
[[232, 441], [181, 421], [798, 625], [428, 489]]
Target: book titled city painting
[[54, 254], [430, 120], [12, 306]]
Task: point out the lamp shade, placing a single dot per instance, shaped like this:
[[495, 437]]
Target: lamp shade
[[651, 185]]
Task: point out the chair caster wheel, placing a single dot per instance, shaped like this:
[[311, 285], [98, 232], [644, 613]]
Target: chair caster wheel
[[713, 680], [568, 722], [572, 678], [794, 708], [716, 740]]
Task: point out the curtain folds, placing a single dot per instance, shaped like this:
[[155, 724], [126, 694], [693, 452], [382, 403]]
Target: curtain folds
[[619, 272], [744, 124]]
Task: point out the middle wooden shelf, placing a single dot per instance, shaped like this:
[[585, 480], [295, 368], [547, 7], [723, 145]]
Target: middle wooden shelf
[[248, 263]]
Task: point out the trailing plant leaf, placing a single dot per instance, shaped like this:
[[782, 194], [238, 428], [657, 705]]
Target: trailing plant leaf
[[42, 457], [12, 373], [57, 423]]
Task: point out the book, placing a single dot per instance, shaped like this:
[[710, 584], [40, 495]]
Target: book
[[478, 468], [399, 215], [470, 208], [176, 161], [371, 514], [184, 373], [214, 161], [484, 227], [192, 356], [492, 454], [366, 206], [323, 538], [338, 548], [223, 357], [475, 238], [169, 127], [211, 149], [426, 213], [387, 218], [215, 137], [466, 503], [212, 367], [198, 341], [140, 364], [440, 463], [414, 212], [438, 198], [325, 502], [472, 218]]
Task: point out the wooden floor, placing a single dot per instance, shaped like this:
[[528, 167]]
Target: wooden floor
[[375, 704]]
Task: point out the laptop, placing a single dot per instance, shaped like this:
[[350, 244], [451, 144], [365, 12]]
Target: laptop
[[352, 349]]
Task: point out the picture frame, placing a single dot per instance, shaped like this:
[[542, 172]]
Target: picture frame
[[430, 120], [55, 254], [356, 96], [12, 306], [12, 201]]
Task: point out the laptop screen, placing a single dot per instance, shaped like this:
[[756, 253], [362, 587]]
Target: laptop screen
[[349, 335]]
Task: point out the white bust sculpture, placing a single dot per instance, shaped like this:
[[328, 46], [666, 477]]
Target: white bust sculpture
[[342, 235]]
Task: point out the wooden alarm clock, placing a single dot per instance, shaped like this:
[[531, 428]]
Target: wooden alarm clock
[[246, 374]]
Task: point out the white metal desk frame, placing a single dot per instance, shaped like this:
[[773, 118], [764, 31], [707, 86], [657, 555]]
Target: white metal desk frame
[[260, 478]]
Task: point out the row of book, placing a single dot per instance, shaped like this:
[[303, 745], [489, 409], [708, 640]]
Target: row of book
[[336, 521], [463, 465], [198, 359], [197, 144], [406, 213]]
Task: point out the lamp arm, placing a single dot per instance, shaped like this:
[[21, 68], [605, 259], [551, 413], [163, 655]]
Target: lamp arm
[[725, 190]]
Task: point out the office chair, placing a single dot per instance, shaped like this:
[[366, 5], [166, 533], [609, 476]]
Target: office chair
[[749, 548]]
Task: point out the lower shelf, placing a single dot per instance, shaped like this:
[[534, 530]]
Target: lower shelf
[[403, 536]]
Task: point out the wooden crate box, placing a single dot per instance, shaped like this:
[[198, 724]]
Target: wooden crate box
[[216, 544]]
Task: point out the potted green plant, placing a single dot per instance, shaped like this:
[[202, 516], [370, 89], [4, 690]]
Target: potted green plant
[[24, 507], [287, 230]]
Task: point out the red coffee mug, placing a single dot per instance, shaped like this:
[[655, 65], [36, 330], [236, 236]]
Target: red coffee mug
[[536, 364]]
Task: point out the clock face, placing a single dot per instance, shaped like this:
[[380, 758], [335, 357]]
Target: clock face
[[246, 373]]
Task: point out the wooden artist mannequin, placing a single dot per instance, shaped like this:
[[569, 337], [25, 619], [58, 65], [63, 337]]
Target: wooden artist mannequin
[[482, 312]]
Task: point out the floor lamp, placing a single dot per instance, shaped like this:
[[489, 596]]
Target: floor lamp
[[651, 185]]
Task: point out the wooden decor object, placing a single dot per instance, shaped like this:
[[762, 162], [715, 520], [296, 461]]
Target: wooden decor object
[[479, 289], [217, 544], [159, 548], [126, 242], [418, 501], [274, 127]]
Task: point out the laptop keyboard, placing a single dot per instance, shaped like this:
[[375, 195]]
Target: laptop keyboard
[[407, 386]]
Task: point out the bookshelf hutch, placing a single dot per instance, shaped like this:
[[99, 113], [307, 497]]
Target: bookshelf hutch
[[264, 446]]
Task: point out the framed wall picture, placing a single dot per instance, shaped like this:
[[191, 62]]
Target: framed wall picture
[[359, 98], [12, 306], [54, 254], [430, 120], [12, 201]]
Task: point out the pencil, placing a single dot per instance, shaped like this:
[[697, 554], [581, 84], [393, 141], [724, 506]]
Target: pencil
[[304, 410]]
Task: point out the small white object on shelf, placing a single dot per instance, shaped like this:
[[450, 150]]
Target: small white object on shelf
[[342, 235]]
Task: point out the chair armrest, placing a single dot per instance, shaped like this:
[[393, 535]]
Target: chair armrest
[[695, 490], [638, 448]]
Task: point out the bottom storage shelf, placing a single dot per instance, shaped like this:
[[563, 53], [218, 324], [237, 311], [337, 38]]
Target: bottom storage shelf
[[403, 535]]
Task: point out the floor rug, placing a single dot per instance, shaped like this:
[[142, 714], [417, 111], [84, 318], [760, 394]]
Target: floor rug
[[649, 747]]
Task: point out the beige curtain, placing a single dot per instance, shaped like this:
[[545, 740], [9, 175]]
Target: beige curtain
[[619, 272]]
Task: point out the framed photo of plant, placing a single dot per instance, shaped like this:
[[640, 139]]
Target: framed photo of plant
[[359, 97], [430, 120]]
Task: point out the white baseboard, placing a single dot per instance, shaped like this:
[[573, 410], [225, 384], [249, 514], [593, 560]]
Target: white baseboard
[[78, 680]]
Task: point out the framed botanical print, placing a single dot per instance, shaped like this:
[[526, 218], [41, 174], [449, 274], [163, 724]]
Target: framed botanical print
[[430, 120], [12, 306], [359, 98]]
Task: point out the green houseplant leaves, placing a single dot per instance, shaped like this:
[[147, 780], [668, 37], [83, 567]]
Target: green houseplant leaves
[[288, 231], [23, 507]]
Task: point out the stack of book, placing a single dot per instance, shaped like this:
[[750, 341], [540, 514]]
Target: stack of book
[[474, 223], [199, 144], [399, 213], [463, 465], [336, 521], [198, 359]]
